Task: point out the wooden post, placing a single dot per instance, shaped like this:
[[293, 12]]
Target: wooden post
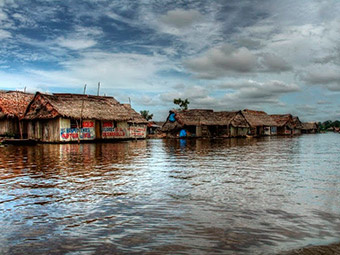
[[81, 114], [98, 88]]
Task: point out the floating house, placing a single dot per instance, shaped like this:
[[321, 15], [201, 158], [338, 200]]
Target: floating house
[[297, 126], [137, 124], [287, 124], [74, 117], [260, 123], [12, 109], [205, 123], [153, 127], [310, 128]]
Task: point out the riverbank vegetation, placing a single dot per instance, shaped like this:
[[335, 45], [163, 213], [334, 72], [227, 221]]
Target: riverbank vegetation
[[329, 124]]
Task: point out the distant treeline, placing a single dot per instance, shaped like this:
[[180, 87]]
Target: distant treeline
[[329, 124]]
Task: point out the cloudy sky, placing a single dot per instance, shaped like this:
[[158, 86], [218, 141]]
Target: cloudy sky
[[278, 56]]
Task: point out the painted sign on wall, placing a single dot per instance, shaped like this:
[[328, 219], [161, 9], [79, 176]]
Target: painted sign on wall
[[137, 131], [109, 131], [85, 133], [74, 133]]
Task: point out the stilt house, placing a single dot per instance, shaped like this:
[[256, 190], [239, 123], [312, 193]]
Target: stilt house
[[13, 105], [260, 123], [205, 123], [74, 117]]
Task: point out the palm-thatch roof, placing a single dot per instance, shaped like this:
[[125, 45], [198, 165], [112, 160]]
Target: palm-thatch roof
[[76, 106], [231, 118], [309, 126], [297, 122], [282, 119], [258, 118], [135, 117], [14, 103], [198, 117]]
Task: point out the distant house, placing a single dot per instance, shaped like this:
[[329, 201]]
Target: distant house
[[310, 128], [260, 123], [13, 105], [297, 126], [74, 117], [285, 123], [153, 128], [205, 123]]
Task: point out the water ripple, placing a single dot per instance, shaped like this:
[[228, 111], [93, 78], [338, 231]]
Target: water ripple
[[235, 196]]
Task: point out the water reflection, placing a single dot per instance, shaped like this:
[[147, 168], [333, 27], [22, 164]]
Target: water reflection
[[233, 196]]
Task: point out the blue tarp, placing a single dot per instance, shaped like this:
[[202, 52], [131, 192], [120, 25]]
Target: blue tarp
[[182, 133], [182, 142], [172, 117]]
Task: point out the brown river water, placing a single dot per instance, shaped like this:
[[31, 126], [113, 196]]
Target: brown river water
[[233, 196]]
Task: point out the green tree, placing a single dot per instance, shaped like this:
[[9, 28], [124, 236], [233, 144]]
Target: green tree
[[146, 115], [183, 104], [329, 124]]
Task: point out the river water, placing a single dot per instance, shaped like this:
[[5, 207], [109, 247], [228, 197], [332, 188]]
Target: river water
[[233, 196]]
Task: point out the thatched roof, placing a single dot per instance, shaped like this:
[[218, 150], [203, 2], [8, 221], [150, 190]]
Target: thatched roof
[[282, 119], [135, 117], [258, 118], [14, 103], [309, 125], [76, 106], [197, 117], [297, 122], [235, 119]]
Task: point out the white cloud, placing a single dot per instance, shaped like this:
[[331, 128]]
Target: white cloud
[[76, 44], [180, 18], [193, 92], [222, 61], [256, 94], [327, 76], [273, 63], [113, 70], [80, 38], [246, 94], [4, 34], [227, 60], [190, 30]]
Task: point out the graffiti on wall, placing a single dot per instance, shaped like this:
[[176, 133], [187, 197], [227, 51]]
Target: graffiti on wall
[[109, 131], [85, 133]]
